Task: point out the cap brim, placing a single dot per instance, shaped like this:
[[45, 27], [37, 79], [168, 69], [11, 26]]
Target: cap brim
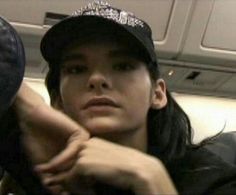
[[68, 30]]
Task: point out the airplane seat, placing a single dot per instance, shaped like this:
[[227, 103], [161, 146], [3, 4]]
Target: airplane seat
[[224, 146]]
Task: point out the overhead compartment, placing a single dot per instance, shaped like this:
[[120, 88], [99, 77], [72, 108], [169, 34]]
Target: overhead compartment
[[190, 36], [167, 18], [211, 35], [33, 18], [198, 79]]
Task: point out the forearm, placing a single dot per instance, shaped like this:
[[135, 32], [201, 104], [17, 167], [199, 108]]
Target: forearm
[[46, 131], [154, 180], [40, 125], [31, 109], [26, 101]]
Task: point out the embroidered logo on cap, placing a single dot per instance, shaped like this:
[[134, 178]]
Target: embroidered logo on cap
[[103, 9]]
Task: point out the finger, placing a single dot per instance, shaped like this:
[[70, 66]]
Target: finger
[[65, 159], [72, 181], [61, 162], [65, 193], [57, 179], [56, 189]]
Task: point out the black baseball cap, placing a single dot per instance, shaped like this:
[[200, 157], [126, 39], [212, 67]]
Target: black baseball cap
[[90, 17]]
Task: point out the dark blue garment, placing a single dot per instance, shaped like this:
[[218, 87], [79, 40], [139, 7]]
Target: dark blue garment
[[14, 160], [203, 172]]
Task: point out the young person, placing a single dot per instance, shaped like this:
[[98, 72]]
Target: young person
[[104, 74]]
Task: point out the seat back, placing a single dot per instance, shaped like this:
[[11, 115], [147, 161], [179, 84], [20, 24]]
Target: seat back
[[224, 146]]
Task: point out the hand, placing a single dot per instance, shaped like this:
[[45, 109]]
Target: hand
[[113, 164], [46, 131]]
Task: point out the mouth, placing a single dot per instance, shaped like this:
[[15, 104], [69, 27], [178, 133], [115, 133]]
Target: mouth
[[100, 102]]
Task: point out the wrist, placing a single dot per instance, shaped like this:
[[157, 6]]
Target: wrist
[[26, 101], [153, 178]]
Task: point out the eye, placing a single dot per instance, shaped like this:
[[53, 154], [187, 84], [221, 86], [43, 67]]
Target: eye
[[124, 66], [74, 69]]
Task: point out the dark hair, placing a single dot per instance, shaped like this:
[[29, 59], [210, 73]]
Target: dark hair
[[169, 129]]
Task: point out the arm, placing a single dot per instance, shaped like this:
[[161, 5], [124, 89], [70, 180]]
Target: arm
[[116, 165], [46, 131]]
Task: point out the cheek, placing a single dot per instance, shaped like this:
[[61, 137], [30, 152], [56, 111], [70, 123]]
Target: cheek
[[70, 94], [66, 89], [140, 103], [136, 102], [140, 89], [71, 86], [139, 94]]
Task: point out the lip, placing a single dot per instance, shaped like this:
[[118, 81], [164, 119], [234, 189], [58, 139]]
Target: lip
[[100, 102]]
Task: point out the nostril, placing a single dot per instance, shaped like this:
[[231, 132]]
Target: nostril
[[104, 85], [98, 85], [98, 81], [91, 86]]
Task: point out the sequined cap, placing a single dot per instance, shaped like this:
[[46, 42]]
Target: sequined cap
[[56, 37], [103, 9]]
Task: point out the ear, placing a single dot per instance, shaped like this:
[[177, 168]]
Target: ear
[[159, 98]]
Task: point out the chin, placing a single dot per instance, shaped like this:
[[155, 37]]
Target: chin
[[96, 130], [98, 127]]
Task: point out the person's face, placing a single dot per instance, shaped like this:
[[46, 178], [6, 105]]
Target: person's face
[[105, 89]]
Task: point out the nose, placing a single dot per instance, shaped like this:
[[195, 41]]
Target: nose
[[98, 81]]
